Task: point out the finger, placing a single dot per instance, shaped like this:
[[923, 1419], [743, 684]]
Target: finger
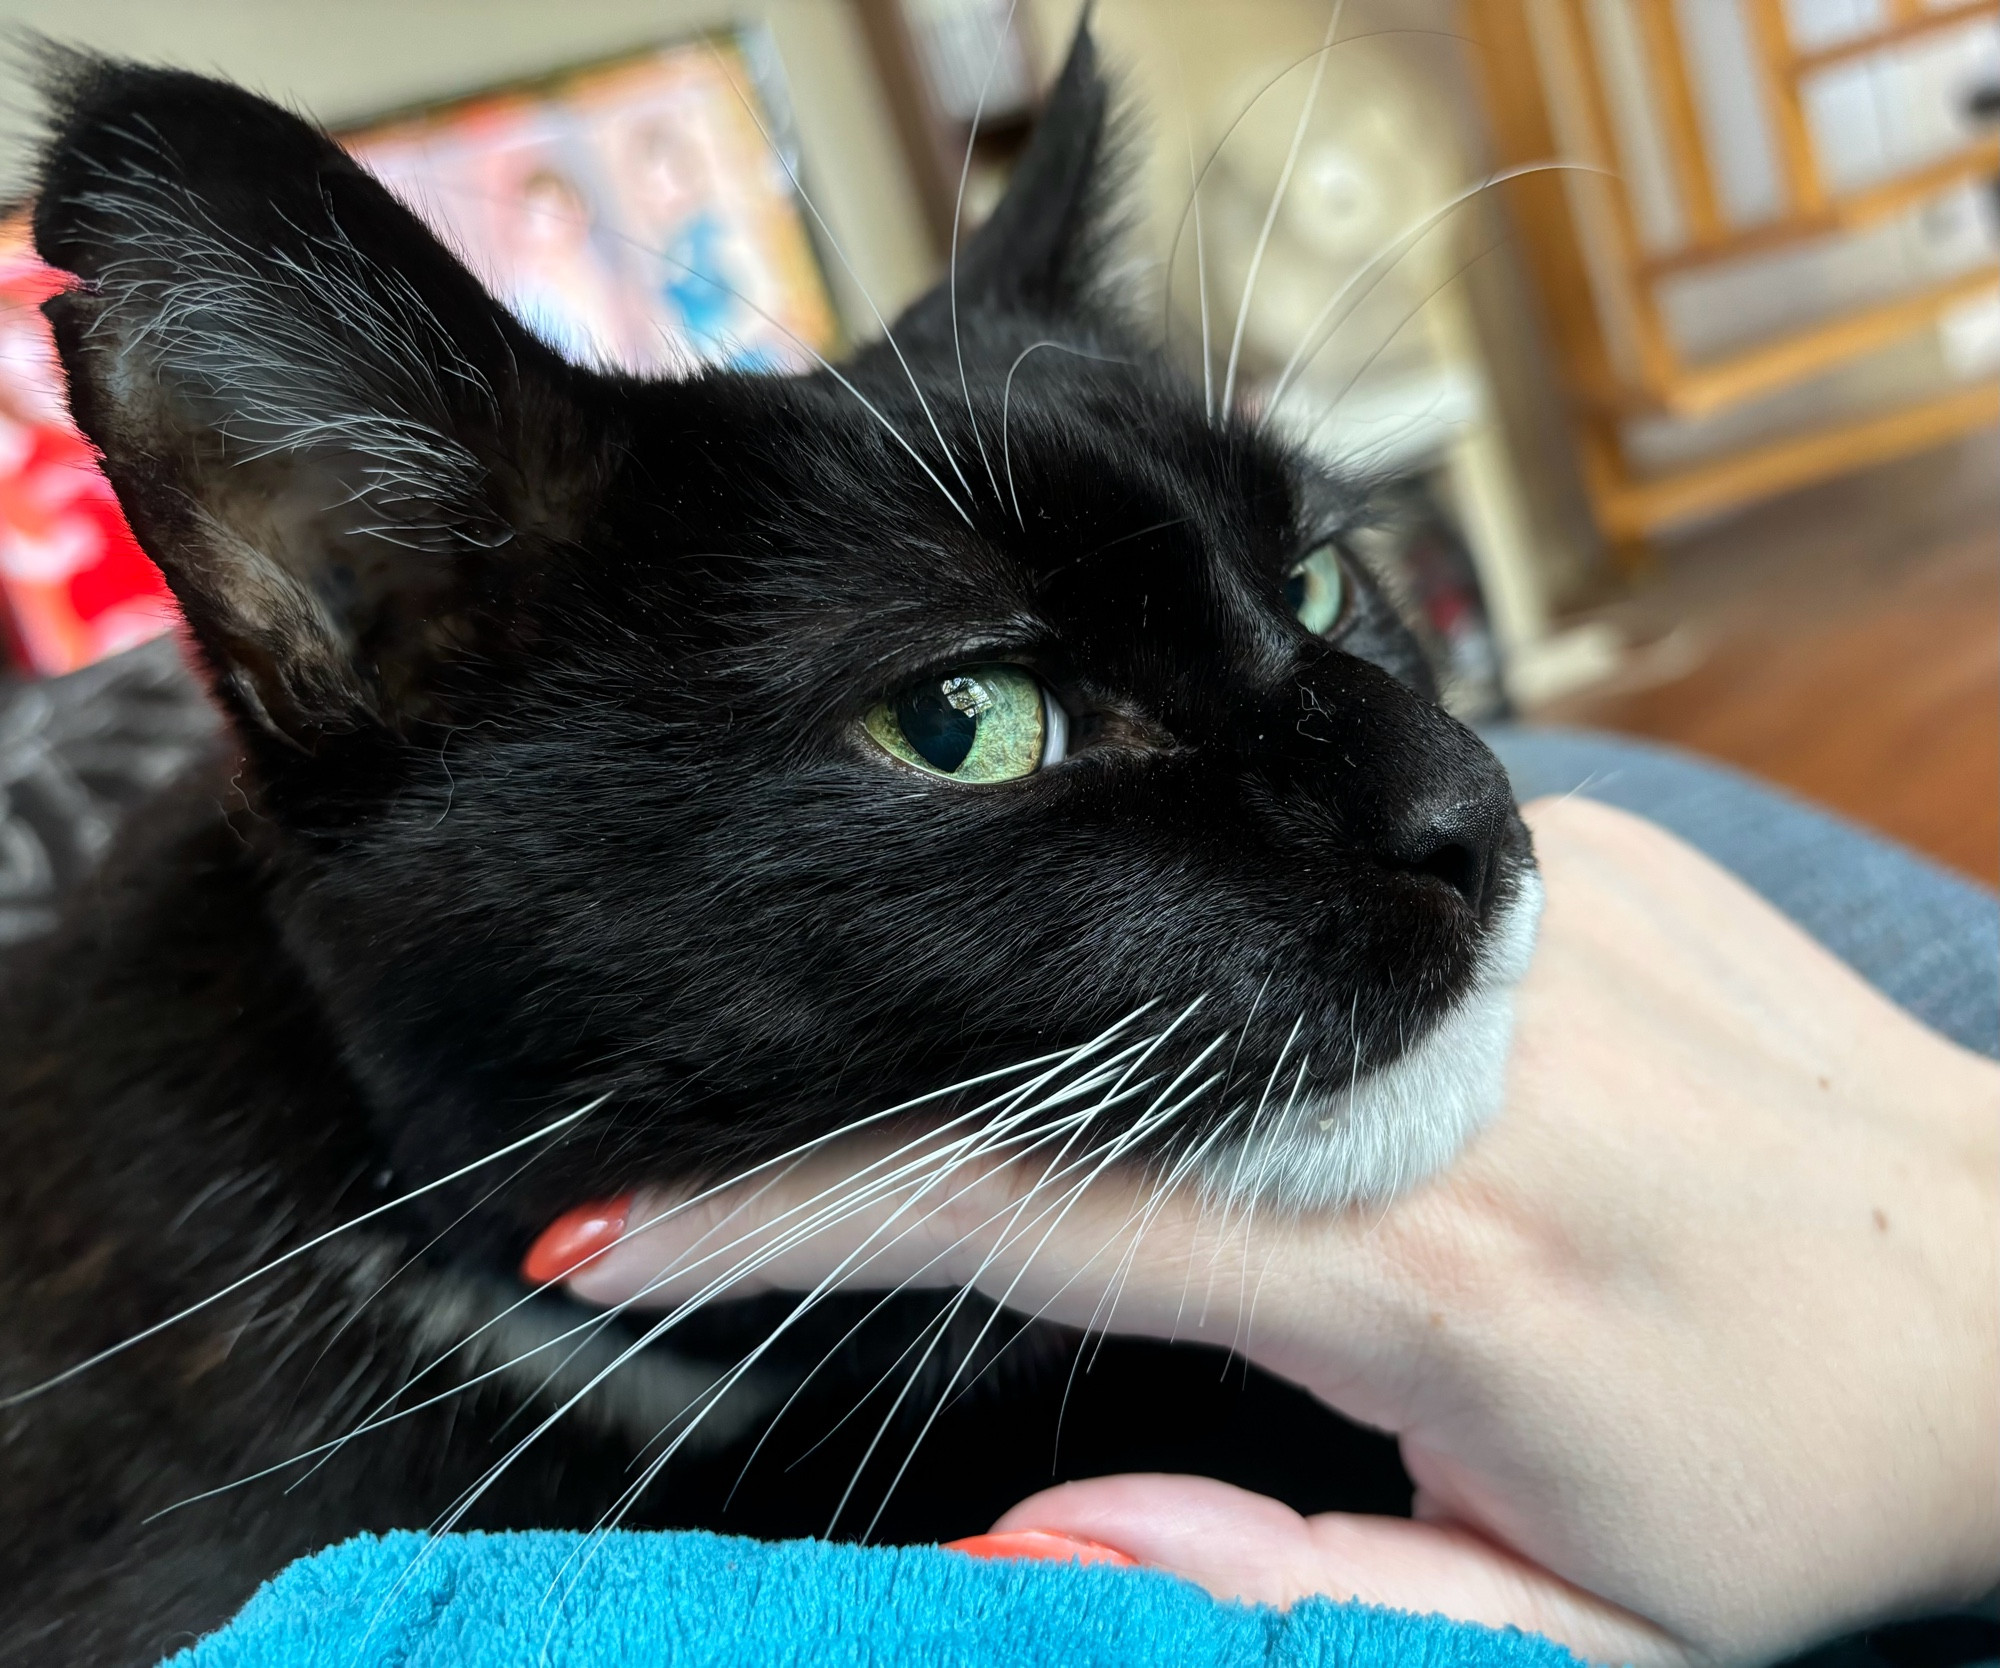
[[1244, 1546], [844, 1211], [1039, 1235], [1085, 1245]]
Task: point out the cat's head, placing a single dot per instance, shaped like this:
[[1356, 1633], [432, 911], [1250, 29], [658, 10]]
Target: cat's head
[[759, 752]]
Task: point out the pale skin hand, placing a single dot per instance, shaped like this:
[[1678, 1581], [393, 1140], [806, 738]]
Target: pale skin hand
[[1693, 1355]]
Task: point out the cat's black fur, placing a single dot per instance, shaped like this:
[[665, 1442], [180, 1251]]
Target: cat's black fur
[[547, 787]]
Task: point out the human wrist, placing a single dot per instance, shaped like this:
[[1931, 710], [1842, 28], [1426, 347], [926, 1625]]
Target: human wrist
[[1883, 1496], [1968, 1141]]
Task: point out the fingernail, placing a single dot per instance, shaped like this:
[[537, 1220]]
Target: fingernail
[[1045, 1544], [573, 1238]]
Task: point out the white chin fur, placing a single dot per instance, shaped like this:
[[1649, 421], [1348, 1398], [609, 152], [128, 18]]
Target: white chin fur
[[1394, 1126]]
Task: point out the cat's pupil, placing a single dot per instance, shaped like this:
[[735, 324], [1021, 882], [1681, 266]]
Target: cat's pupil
[[941, 719], [1296, 591]]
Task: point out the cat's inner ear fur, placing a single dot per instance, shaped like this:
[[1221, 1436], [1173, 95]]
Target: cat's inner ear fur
[[1048, 245], [329, 437]]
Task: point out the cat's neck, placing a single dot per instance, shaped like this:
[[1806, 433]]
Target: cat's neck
[[174, 1117], [170, 1084], [175, 1114]]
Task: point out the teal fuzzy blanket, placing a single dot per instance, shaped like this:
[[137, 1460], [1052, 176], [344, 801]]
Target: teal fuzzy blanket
[[628, 1600]]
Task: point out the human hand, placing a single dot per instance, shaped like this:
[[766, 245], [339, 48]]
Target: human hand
[[1693, 1355]]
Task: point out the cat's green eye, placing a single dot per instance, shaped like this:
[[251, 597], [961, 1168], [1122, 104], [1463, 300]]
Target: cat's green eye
[[981, 724], [1317, 590]]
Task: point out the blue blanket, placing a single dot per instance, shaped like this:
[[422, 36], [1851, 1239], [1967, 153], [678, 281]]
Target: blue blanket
[[547, 1600]]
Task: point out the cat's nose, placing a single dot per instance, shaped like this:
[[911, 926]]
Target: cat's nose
[[1413, 791], [1456, 836]]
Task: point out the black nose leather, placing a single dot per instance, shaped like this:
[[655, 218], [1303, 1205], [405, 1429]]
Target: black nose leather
[[1457, 840], [1412, 789]]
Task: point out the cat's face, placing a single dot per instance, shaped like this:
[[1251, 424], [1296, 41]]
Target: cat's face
[[761, 752]]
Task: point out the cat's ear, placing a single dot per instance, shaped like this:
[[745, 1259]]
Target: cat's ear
[[335, 444], [1046, 245]]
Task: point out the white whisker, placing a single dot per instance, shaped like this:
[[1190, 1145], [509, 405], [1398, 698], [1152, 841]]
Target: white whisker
[[1110, 1153], [1270, 1083], [1243, 1034], [1200, 250], [1077, 1119], [1378, 266], [840, 255], [957, 222], [1104, 1312], [1215, 151], [949, 1314], [380, 1416], [1410, 313], [815, 1223], [1277, 201], [103, 1355], [1186, 1164], [857, 1259], [1250, 1211], [425, 1249], [1007, 397], [1247, 1142], [1156, 1198]]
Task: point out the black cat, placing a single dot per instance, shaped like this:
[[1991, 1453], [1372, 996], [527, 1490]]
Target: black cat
[[628, 781]]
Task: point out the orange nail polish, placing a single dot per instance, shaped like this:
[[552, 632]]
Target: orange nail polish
[[573, 1238], [1044, 1544]]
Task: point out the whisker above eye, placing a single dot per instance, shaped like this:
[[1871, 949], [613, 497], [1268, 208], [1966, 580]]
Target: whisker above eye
[[798, 342], [1200, 252], [1191, 209], [957, 226], [847, 266], [1379, 265], [1277, 201], [1007, 397], [1360, 462]]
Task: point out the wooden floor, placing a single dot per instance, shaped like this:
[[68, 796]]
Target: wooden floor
[[1844, 641]]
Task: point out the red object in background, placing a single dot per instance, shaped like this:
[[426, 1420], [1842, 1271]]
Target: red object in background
[[1046, 1545], [74, 584]]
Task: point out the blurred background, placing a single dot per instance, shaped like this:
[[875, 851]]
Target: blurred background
[[1667, 332]]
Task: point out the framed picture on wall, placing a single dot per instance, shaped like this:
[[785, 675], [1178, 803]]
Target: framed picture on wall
[[640, 214]]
